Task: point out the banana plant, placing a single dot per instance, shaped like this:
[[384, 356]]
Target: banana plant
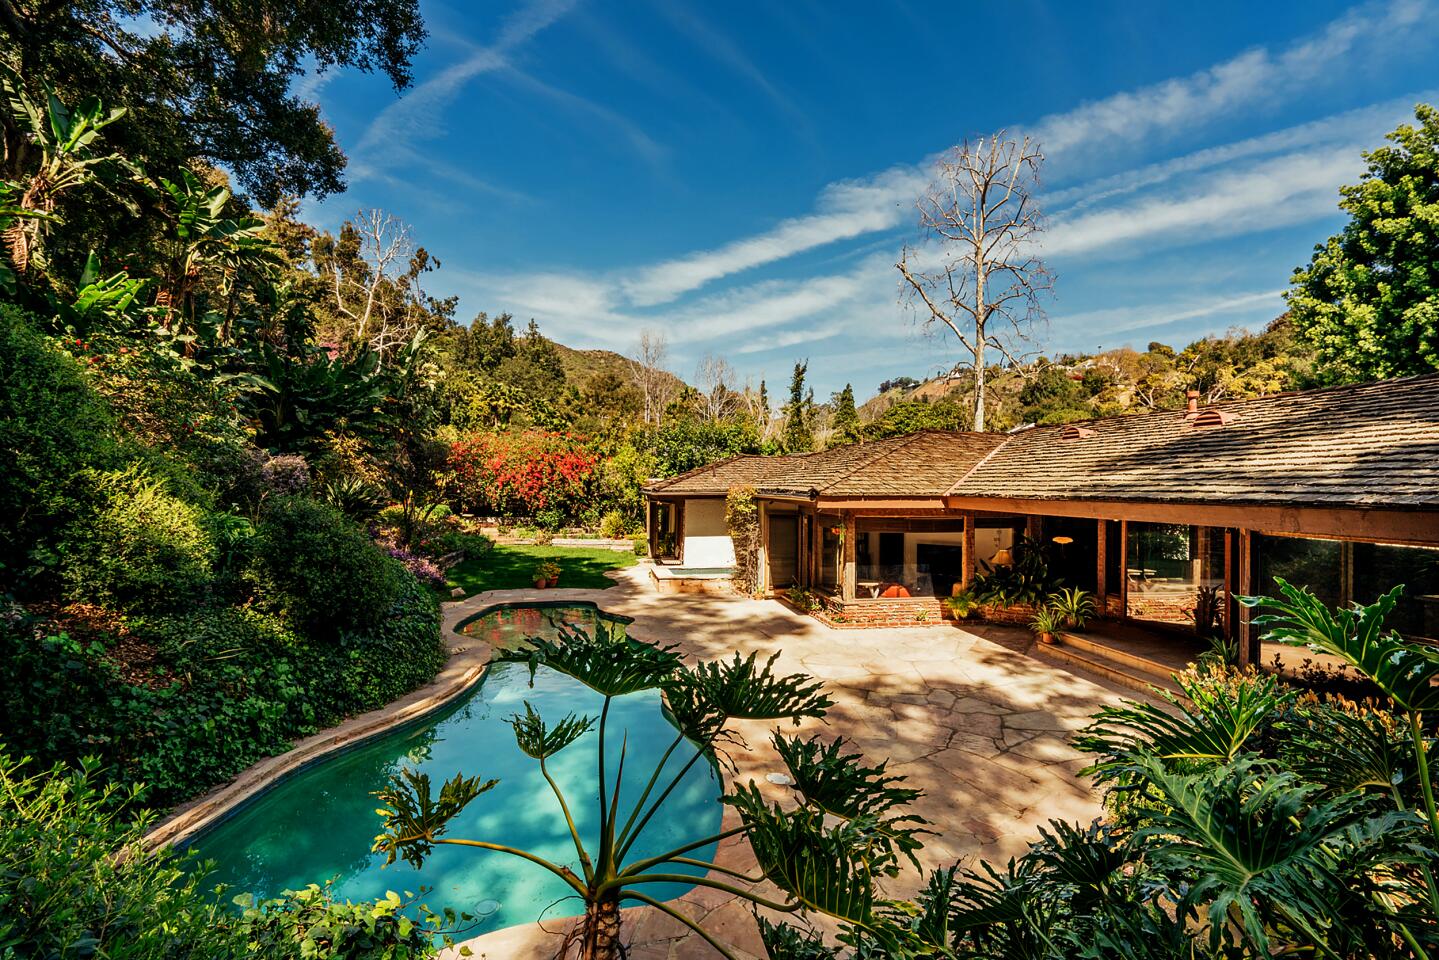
[[203, 239], [823, 853], [64, 140], [113, 302]]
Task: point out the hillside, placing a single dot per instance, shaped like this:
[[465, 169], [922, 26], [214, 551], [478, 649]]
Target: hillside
[[581, 365]]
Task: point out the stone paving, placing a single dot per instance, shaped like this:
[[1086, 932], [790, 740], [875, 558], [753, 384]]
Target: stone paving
[[965, 714]]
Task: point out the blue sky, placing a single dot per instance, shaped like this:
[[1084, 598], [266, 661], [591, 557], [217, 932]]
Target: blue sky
[[741, 175]]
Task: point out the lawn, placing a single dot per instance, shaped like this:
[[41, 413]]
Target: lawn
[[512, 566]]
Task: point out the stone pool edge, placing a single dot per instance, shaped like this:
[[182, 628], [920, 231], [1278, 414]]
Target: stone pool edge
[[466, 666]]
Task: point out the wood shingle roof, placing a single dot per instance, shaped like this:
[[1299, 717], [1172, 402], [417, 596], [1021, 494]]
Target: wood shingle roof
[[1363, 445]]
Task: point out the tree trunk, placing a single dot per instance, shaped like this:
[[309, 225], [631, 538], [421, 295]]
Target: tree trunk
[[600, 937]]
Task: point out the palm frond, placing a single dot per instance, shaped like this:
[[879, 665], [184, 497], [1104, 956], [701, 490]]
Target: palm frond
[[609, 662], [1404, 671], [540, 741], [414, 817]]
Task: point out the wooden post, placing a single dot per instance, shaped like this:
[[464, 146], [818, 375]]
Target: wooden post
[[761, 574], [967, 553], [1248, 644], [1229, 604], [847, 588], [1123, 569], [1033, 526], [1101, 585]]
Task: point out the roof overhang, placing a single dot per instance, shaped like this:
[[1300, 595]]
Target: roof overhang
[[1370, 523]]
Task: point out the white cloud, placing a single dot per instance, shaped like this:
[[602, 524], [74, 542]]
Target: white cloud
[[1127, 319], [846, 210], [1288, 189], [1256, 76]]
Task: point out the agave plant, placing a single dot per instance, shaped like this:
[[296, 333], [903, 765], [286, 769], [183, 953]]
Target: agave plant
[[823, 853]]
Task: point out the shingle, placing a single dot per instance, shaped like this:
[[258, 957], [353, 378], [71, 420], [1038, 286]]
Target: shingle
[[1362, 445]]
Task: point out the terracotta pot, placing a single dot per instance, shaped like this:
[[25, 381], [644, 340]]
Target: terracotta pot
[[1046, 638], [541, 584]]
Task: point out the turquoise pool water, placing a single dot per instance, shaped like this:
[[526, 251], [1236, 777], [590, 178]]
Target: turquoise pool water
[[319, 823]]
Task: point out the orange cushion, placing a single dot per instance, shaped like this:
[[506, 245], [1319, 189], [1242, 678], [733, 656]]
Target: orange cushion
[[895, 590]]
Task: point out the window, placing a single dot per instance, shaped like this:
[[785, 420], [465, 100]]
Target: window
[[1340, 573], [1170, 567]]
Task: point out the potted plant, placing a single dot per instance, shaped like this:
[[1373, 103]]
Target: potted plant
[[1046, 621], [547, 574], [961, 604], [1074, 607]]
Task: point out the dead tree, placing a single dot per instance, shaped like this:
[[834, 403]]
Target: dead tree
[[976, 269], [647, 368]]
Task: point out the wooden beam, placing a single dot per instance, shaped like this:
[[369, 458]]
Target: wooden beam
[[1123, 568], [883, 503], [1384, 526], [1248, 643], [847, 587]]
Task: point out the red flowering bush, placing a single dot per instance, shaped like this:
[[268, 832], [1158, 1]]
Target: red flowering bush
[[535, 473]]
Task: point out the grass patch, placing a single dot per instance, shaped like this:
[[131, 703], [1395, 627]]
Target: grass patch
[[512, 566]]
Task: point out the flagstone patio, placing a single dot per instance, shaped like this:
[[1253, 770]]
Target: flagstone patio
[[963, 713]]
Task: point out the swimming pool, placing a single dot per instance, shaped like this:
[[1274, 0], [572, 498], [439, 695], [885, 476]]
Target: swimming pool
[[319, 822]]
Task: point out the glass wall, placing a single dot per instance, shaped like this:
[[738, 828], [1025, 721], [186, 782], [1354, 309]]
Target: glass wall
[[908, 557], [1174, 570], [831, 552], [664, 543], [1340, 573]]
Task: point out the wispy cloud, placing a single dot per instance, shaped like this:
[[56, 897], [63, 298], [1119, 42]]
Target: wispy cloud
[[1289, 189], [419, 112], [1256, 76], [1130, 319], [630, 132], [845, 210]]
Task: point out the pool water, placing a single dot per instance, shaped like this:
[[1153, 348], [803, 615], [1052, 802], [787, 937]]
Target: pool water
[[319, 822]]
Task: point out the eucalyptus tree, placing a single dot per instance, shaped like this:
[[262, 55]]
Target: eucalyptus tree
[[823, 853]]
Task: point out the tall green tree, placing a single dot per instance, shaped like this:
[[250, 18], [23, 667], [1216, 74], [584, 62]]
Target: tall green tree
[[213, 81], [1368, 303], [798, 437], [845, 422]]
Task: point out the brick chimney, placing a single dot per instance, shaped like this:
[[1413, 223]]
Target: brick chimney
[[1191, 401]]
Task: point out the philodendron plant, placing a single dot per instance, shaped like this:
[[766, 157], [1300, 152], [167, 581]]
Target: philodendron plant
[[822, 853]]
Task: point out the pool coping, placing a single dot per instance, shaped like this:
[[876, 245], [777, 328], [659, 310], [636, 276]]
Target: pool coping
[[464, 669]]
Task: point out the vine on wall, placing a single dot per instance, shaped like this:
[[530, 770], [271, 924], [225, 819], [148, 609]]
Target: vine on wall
[[742, 517]]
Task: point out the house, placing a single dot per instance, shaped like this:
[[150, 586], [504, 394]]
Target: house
[[1337, 489]]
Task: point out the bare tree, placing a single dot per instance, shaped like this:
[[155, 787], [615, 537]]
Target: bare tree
[[374, 268], [715, 378], [975, 270], [655, 383]]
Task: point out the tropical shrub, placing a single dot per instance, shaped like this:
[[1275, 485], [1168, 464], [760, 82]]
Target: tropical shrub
[[961, 603], [523, 474], [614, 525], [181, 703], [316, 568], [143, 550], [355, 497], [1027, 580], [54, 428], [75, 883], [1246, 819], [1073, 606], [1046, 621]]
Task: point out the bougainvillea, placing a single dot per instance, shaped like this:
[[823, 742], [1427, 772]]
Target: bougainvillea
[[526, 474]]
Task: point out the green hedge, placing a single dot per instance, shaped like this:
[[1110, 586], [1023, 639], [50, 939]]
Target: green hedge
[[54, 427], [65, 894], [225, 687], [319, 570]]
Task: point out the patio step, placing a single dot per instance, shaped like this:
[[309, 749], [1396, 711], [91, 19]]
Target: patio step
[[1115, 671], [1159, 662]]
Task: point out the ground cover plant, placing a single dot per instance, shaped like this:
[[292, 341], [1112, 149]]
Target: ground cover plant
[[511, 566]]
